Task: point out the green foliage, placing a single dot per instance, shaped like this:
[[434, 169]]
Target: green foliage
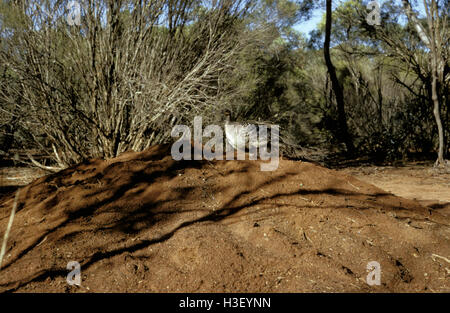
[[275, 75]]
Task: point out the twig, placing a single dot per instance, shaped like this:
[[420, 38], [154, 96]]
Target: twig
[[41, 241], [434, 256], [48, 168], [60, 162], [8, 228], [353, 185]]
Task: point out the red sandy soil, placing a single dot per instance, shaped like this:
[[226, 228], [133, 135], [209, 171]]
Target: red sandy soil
[[143, 222]]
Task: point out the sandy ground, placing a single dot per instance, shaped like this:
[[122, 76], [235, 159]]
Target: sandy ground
[[143, 222], [422, 182]]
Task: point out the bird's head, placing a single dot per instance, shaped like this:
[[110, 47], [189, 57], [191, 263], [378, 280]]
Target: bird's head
[[227, 114]]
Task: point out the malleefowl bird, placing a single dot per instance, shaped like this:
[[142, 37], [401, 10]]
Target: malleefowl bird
[[244, 136]]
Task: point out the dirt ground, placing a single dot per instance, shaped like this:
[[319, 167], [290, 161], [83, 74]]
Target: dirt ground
[[417, 181], [145, 223]]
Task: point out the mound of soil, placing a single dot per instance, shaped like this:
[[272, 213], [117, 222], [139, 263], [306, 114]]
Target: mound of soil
[[143, 222]]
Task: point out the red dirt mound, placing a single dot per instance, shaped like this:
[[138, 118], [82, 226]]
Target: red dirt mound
[[143, 222]]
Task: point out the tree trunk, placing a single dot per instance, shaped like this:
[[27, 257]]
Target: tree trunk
[[436, 111], [343, 129], [432, 41], [432, 16]]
